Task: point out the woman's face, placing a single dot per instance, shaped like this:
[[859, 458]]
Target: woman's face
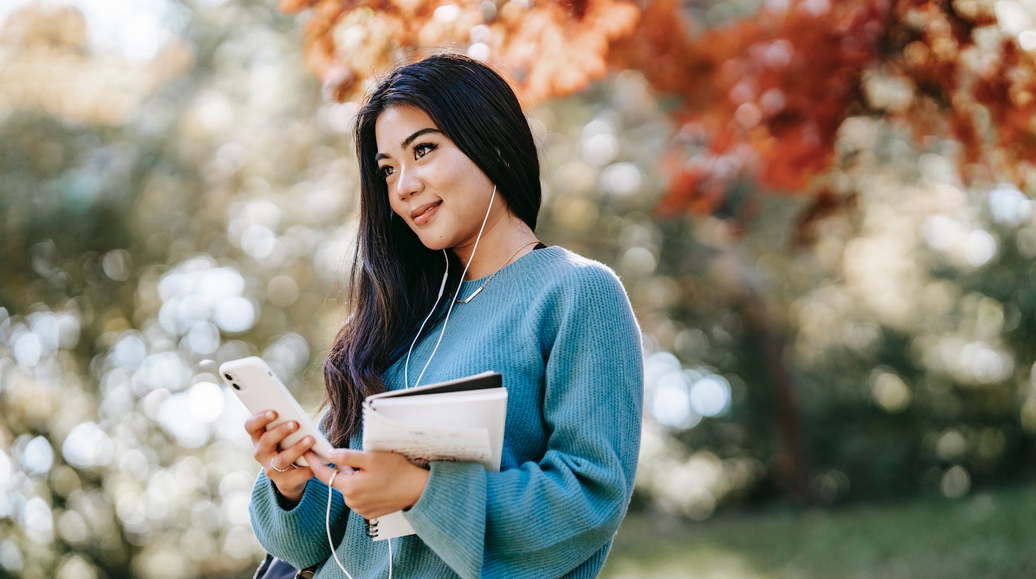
[[440, 193]]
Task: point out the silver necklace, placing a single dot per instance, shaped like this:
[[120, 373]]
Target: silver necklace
[[490, 278]]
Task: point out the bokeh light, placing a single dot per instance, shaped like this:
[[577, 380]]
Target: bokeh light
[[179, 191]]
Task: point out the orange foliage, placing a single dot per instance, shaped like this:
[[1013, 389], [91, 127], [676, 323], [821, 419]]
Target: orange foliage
[[760, 100], [959, 80], [766, 96], [549, 48]]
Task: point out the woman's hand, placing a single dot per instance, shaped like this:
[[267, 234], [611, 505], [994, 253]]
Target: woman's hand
[[291, 483], [382, 482]]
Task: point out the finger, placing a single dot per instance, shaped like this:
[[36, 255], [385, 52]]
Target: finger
[[268, 445], [280, 469], [271, 438], [290, 482], [293, 452], [320, 470], [281, 466], [257, 422], [317, 462], [353, 458]]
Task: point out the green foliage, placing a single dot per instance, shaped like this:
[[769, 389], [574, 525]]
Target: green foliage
[[216, 221], [982, 535]]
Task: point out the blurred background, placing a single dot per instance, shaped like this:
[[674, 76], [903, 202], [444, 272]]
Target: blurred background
[[822, 213]]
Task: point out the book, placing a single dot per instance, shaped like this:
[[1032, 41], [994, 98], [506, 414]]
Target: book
[[458, 420]]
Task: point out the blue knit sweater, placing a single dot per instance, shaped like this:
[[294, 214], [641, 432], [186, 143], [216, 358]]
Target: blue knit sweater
[[560, 329]]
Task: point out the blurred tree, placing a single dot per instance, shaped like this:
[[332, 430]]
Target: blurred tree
[[175, 192], [758, 99], [141, 187]]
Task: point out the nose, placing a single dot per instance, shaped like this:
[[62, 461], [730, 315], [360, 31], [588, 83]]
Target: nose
[[409, 183]]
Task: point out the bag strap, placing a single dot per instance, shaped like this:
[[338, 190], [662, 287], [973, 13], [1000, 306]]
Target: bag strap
[[264, 567], [274, 568]]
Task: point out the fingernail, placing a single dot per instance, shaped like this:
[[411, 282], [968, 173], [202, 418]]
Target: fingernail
[[293, 426], [309, 439], [269, 414]]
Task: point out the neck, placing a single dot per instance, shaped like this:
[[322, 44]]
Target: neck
[[503, 235]]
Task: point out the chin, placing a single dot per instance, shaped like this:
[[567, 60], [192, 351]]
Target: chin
[[434, 243]]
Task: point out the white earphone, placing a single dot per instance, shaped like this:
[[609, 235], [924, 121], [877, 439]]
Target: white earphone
[[406, 369]]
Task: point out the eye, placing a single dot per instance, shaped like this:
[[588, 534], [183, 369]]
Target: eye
[[385, 171], [423, 149]]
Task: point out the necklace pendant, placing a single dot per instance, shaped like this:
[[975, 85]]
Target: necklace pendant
[[469, 298]]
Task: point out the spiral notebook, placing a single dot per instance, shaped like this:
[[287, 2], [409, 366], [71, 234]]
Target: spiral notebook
[[458, 420]]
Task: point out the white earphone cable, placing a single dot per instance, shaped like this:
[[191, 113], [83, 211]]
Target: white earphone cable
[[406, 370], [442, 286], [327, 525], [447, 320]]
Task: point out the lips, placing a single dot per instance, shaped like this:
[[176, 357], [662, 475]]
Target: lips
[[422, 214]]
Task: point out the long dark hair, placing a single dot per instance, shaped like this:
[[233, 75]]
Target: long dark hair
[[395, 278]]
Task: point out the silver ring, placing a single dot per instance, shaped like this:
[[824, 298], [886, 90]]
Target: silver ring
[[277, 469]]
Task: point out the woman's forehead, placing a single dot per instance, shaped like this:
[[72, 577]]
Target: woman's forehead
[[400, 119]]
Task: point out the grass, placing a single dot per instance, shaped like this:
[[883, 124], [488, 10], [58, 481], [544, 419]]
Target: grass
[[989, 535]]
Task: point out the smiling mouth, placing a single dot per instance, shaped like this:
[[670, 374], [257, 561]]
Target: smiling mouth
[[427, 214]]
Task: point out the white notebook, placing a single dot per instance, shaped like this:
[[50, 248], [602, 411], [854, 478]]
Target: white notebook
[[459, 420]]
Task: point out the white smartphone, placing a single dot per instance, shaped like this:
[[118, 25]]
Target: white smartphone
[[260, 390]]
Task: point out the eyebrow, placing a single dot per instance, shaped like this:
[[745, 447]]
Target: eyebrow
[[406, 142]]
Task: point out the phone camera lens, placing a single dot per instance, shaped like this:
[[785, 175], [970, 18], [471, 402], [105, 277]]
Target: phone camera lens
[[236, 387], [229, 377]]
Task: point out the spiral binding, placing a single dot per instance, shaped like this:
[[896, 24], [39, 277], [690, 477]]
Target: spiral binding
[[372, 527]]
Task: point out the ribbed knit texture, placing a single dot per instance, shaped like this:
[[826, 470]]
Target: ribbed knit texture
[[560, 329]]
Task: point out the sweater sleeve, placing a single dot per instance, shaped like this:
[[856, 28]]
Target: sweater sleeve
[[559, 511], [296, 535]]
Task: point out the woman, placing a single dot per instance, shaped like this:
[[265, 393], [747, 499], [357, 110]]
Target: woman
[[450, 193]]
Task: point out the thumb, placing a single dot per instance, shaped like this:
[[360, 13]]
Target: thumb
[[344, 458], [323, 471]]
